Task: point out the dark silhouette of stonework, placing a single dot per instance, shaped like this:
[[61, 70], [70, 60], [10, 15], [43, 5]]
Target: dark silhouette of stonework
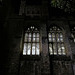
[[16, 16]]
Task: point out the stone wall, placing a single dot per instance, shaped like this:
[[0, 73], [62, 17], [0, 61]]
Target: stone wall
[[43, 65]]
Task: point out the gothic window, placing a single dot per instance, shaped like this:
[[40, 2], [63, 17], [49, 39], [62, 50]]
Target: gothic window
[[73, 33], [56, 41], [31, 41]]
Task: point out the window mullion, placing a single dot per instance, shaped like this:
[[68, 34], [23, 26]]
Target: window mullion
[[27, 43], [56, 42], [31, 41], [39, 44], [52, 43], [35, 42], [60, 44]]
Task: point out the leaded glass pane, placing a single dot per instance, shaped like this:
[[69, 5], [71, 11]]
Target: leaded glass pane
[[62, 45], [37, 49], [63, 48], [25, 40], [29, 34], [56, 41], [57, 35], [51, 52], [53, 35], [29, 49], [26, 35], [50, 49], [34, 35], [61, 39], [24, 52], [37, 45], [37, 39], [63, 52], [33, 39], [61, 35], [37, 34], [54, 48], [31, 42], [29, 39], [50, 39], [49, 34], [33, 49], [59, 51]]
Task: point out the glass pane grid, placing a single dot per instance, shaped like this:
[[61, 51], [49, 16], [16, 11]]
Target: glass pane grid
[[53, 39], [49, 35], [29, 35], [31, 42], [53, 34], [28, 49], [50, 49], [56, 46], [50, 39], [37, 49], [33, 49]]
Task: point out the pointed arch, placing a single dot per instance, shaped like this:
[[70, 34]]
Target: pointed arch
[[56, 41], [31, 41]]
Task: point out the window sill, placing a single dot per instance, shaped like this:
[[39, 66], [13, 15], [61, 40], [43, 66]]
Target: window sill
[[60, 57], [30, 57]]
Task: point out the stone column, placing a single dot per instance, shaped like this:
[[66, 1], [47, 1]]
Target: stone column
[[45, 69]]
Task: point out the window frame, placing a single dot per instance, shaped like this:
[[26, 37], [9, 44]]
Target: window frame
[[31, 42], [56, 42]]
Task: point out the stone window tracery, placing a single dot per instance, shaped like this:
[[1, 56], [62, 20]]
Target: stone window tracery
[[56, 41], [31, 41]]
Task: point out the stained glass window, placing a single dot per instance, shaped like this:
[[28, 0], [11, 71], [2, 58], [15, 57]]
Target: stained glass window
[[31, 41], [56, 42], [73, 33]]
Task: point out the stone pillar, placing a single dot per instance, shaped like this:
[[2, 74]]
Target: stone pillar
[[45, 69]]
